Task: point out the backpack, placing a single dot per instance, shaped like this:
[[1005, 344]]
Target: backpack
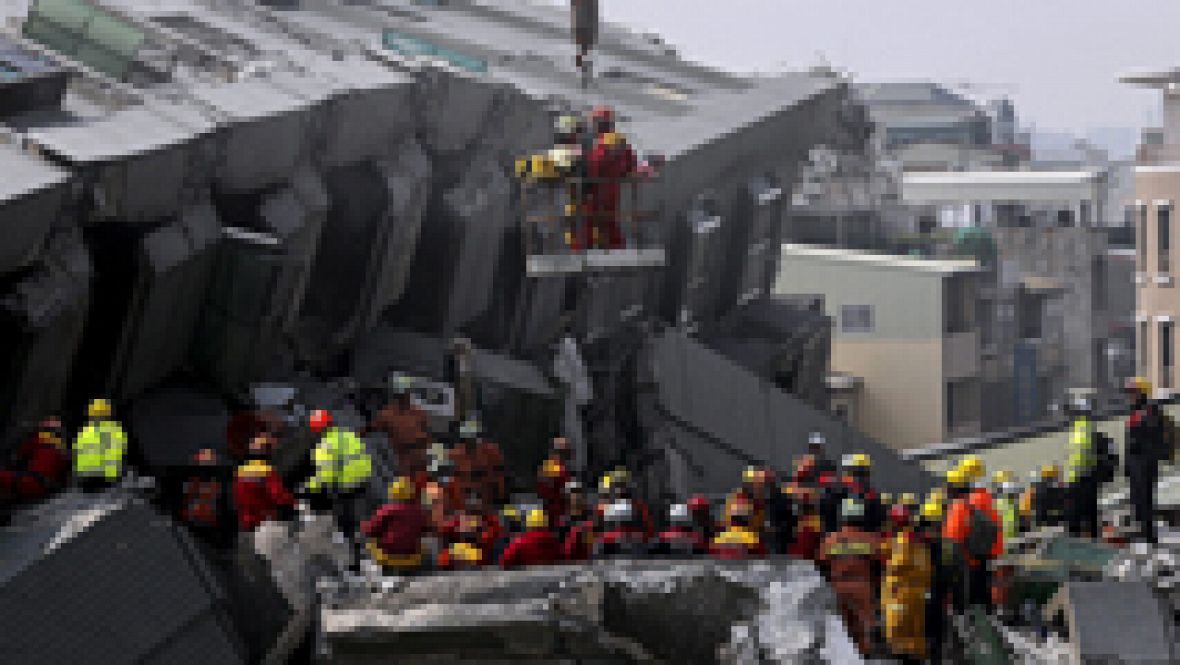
[[1107, 460], [981, 535]]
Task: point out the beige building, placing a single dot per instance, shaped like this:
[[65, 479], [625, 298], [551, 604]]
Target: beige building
[[905, 344], [1157, 191]]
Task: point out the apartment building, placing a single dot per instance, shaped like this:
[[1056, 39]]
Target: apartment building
[[906, 339], [1157, 191]]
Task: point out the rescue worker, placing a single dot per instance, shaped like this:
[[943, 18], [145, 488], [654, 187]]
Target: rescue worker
[[1007, 504], [751, 492], [512, 526], [1081, 468], [945, 579], [740, 540], [850, 560], [972, 523], [259, 494], [856, 483], [1144, 451], [395, 532], [467, 551], [624, 534], [642, 513], [809, 531], [204, 502], [479, 464], [701, 511], [581, 537], [406, 426], [782, 516], [817, 449], [907, 581], [39, 467], [342, 469], [681, 539], [99, 448], [610, 162], [537, 546], [1049, 497], [487, 525], [576, 511], [244, 426], [552, 479]]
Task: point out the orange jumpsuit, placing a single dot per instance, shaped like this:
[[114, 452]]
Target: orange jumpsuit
[[851, 557]]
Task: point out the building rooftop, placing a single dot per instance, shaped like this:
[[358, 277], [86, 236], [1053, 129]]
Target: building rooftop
[[1000, 177], [24, 173], [942, 266], [1154, 79]]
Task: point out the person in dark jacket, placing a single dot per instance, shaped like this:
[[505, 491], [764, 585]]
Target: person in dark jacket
[[205, 504], [39, 468], [537, 546], [1145, 443]]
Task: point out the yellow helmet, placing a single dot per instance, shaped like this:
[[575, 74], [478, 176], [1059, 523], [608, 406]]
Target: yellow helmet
[[1001, 477], [605, 483], [99, 408], [750, 474], [612, 139], [932, 510], [510, 513], [1139, 384], [401, 489], [1050, 471], [909, 499], [536, 519], [956, 476], [465, 552], [621, 475], [551, 468], [973, 468], [886, 498], [858, 461]]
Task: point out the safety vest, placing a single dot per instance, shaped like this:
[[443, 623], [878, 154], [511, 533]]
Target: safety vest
[[1081, 449], [1008, 508], [98, 450], [341, 461]]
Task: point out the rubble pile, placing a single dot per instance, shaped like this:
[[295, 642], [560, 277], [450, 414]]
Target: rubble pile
[[1159, 567], [616, 612]]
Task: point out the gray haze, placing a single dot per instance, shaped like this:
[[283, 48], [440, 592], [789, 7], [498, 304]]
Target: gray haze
[[1062, 56]]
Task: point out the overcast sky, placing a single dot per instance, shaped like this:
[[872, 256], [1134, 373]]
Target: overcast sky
[[1062, 56]]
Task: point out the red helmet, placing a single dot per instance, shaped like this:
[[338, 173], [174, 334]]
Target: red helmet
[[698, 504], [320, 420], [899, 516], [602, 114]]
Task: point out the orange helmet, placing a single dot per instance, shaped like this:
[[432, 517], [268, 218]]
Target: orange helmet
[[320, 420]]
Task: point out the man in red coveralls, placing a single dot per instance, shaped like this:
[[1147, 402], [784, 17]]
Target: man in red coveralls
[[682, 538], [395, 531], [537, 546], [479, 464], [610, 161], [579, 539], [486, 524], [552, 479], [850, 559], [259, 494], [739, 541], [39, 467], [624, 535], [407, 428], [701, 511]]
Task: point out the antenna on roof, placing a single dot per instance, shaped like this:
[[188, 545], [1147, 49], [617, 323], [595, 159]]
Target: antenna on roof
[[584, 26]]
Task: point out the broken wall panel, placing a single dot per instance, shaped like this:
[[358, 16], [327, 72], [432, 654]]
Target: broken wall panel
[[32, 194], [42, 315]]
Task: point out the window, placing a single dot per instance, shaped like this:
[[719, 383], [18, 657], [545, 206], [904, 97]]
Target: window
[[1141, 239], [1144, 348], [1163, 216], [1166, 354], [856, 318]]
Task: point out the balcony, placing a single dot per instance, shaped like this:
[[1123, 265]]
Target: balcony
[[960, 355], [1155, 155]]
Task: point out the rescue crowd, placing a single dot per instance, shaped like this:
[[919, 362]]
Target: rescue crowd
[[899, 566]]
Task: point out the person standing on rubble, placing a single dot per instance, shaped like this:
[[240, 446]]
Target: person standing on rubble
[[99, 448], [39, 468], [205, 503], [552, 478], [973, 524], [680, 539], [537, 546], [1081, 471], [259, 494], [624, 535], [907, 580], [850, 560], [342, 469], [479, 464], [1145, 450], [610, 162], [740, 540], [406, 426], [945, 578], [1007, 503], [396, 530]]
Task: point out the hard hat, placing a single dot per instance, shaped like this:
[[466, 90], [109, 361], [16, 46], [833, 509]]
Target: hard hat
[[678, 513], [401, 489], [400, 384], [612, 139], [932, 510], [320, 420], [816, 439], [886, 498], [851, 508], [1001, 477], [566, 124], [909, 499], [50, 438], [536, 519], [551, 468], [99, 408], [956, 476], [510, 513], [741, 506], [573, 487], [750, 474], [465, 552], [604, 485], [899, 515], [602, 114], [469, 429], [1138, 384], [856, 461], [973, 468], [619, 512], [1050, 471], [621, 475], [699, 504], [1083, 404]]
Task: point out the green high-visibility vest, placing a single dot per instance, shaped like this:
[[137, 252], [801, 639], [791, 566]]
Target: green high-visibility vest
[[341, 460], [1081, 449], [99, 449], [1008, 507]]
